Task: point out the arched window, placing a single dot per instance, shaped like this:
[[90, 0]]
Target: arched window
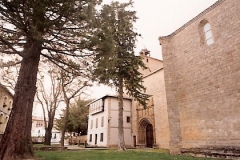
[[208, 34], [205, 32]]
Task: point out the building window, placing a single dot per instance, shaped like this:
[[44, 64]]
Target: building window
[[5, 102], [95, 138], [101, 137], [102, 121], [39, 133], [90, 138], [91, 124], [10, 105], [96, 122], [128, 119], [208, 34], [205, 32]]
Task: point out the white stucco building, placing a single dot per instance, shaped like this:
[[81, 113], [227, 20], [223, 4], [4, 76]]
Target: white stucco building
[[6, 99], [38, 127], [103, 122], [38, 131]]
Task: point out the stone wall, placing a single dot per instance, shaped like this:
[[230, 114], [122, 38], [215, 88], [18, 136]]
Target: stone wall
[[155, 86], [203, 81], [152, 64]]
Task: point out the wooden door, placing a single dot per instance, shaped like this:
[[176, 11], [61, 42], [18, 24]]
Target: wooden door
[[149, 136]]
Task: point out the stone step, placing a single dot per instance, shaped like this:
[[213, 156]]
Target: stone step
[[221, 152]]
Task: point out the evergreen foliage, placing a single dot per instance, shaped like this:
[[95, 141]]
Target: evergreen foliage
[[61, 29], [77, 118], [116, 56], [116, 63]]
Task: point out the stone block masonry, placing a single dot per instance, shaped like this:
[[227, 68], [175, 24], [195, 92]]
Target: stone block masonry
[[203, 81]]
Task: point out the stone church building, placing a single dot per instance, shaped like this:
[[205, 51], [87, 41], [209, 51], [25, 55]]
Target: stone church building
[[202, 80], [194, 106]]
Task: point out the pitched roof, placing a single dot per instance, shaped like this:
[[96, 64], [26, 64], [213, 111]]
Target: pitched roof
[[153, 73], [109, 95], [5, 88]]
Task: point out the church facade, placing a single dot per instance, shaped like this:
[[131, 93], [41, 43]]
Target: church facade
[[202, 81], [150, 125]]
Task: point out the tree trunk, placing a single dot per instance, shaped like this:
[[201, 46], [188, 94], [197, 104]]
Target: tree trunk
[[16, 142], [48, 136], [121, 145], [65, 122], [48, 130]]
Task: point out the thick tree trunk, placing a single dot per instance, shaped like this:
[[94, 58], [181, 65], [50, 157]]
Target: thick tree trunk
[[65, 122], [16, 142], [121, 145]]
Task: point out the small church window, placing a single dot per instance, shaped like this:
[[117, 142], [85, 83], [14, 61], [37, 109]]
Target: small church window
[[208, 34], [205, 33]]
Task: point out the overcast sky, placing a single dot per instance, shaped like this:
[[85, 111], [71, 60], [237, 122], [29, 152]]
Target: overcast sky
[[158, 18], [162, 17]]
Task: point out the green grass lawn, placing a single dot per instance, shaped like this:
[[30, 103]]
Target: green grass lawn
[[145, 154]]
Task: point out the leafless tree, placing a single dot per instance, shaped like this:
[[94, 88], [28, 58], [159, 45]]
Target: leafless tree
[[49, 96], [72, 86], [8, 73]]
